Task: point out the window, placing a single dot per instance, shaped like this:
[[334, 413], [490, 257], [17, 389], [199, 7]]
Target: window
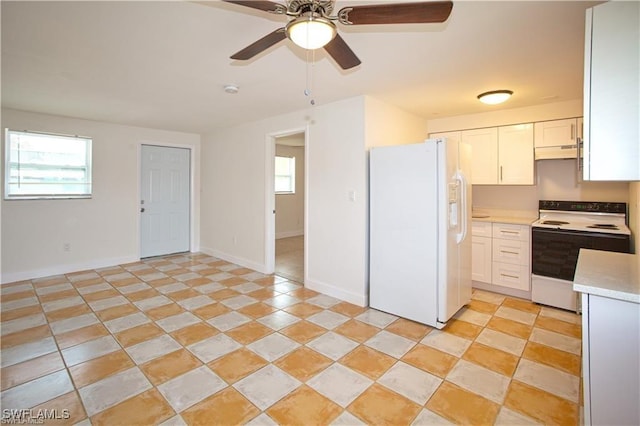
[[285, 175], [40, 165]]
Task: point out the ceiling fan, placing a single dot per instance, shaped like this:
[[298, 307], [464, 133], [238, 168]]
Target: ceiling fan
[[312, 24]]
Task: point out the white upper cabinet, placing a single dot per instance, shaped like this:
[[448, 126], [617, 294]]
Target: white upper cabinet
[[555, 133], [484, 154], [612, 92], [501, 155], [557, 138], [515, 149]]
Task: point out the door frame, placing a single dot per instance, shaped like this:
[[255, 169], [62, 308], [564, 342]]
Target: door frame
[[270, 197], [193, 240]]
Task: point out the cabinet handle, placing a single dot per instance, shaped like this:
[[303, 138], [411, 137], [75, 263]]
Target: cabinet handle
[[573, 128], [500, 173], [579, 161], [510, 276], [509, 252], [510, 232]]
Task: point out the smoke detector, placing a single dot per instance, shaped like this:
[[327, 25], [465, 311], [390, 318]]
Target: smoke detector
[[231, 89]]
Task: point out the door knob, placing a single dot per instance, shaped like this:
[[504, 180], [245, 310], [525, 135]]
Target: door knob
[[142, 210]]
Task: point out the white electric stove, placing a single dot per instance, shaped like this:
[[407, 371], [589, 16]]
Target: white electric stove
[[563, 228]]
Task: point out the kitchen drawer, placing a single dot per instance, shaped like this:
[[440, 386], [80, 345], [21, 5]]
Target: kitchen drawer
[[512, 276], [511, 232], [511, 251], [481, 229]]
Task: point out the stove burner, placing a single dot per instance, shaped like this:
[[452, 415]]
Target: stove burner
[[554, 222], [603, 226]]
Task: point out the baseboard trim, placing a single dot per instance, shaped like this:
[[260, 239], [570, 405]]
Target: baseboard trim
[[12, 277], [501, 290], [338, 293], [235, 259], [288, 234]]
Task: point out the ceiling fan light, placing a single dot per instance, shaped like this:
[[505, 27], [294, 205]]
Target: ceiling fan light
[[311, 32], [495, 96]]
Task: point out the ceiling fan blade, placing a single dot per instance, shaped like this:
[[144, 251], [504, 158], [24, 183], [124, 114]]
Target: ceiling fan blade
[[342, 53], [400, 13], [261, 45], [267, 6]]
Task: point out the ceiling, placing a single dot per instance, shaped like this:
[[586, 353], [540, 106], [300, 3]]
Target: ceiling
[[164, 64]]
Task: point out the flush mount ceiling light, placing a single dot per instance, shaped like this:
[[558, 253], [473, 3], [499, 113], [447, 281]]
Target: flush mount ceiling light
[[311, 31], [495, 96]]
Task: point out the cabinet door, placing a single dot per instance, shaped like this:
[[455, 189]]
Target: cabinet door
[[555, 133], [515, 150], [481, 229], [484, 154], [613, 369], [481, 259], [612, 92]]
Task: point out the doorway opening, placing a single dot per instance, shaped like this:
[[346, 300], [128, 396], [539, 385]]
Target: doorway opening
[[289, 201]]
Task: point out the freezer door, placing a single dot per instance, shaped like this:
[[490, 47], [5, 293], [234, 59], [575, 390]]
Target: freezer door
[[403, 262]]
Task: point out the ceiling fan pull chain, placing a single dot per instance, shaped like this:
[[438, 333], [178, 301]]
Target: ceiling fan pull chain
[[308, 91]]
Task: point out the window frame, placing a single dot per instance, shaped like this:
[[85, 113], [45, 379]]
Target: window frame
[[87, 167], [291, 175]]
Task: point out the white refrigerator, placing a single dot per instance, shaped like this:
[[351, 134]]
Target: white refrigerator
[[420, 230]]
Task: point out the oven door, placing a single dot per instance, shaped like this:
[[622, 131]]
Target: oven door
[[554, 252]]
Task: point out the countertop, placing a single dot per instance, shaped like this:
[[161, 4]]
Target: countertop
[[516, 217], [608, 274], [505, 219]]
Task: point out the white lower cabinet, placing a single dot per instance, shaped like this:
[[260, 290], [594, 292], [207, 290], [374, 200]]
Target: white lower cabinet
[[503, 257], [481, 259], [512, 276], [610, 361], [481, 251]]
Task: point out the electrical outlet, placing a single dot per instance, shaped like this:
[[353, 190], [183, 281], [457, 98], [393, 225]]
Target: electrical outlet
[[66, 247]]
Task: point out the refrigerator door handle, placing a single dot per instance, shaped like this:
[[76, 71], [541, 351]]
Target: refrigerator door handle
[[463, 207]]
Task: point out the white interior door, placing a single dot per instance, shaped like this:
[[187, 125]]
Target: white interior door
[[164, 201]]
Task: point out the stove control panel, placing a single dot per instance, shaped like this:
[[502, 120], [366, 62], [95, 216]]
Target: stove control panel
[[583, 206]]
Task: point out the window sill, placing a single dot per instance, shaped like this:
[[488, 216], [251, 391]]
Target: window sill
[[48, 197]]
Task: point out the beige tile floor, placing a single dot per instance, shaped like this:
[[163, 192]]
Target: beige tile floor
[[191, 339], [290, 258]]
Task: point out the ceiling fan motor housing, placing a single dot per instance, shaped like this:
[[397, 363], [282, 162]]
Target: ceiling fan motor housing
[[298, 7]]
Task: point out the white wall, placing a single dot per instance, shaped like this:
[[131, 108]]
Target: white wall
[[103, 230], [290, 207], [389, 125]]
